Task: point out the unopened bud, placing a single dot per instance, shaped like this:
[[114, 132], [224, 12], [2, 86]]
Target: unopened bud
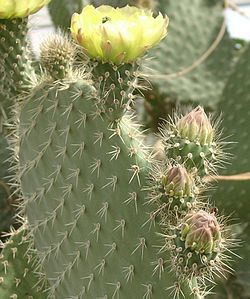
[[196, 126], [178, 182], [201, 232]]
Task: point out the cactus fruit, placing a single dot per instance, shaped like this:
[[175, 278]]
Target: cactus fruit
[[174, 191], [199, 246]]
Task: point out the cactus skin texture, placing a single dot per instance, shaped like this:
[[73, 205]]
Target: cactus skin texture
[[62, 10], [7, 201], [15, 66]]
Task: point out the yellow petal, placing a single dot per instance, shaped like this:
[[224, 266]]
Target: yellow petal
[[20, 8]]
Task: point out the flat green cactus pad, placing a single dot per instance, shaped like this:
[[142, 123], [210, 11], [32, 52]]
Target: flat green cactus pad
[[82, 178], [233, 194], [193, 28]]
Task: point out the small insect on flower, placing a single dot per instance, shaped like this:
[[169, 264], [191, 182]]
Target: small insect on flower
[[117, 35], [20, 8]]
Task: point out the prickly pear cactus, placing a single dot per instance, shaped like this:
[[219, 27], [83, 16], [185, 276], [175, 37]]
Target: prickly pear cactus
[[104, 218], [82, 182]]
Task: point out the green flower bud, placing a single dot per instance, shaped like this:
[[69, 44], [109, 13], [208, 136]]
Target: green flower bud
[[178, 182], [201, 232], [196, 126]]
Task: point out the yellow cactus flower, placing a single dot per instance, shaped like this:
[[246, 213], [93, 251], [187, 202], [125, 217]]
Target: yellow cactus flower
[[117, 35], [10, 9]]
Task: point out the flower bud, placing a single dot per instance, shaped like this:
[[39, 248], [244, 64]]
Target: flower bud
[[10, 9], [178, 182], [117, 35], [196, 126], [201, 232]]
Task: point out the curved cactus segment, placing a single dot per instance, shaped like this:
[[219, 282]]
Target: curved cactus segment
[[17, 278]]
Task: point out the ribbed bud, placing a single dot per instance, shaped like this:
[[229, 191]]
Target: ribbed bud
[[178, 182], [196, 126], [201, 232]]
